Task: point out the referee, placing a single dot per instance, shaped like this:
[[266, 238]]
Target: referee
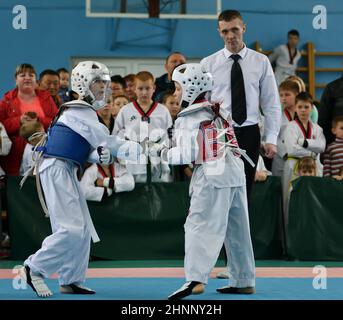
[[244, 82]]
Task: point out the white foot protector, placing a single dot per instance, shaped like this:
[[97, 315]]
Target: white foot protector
[[35, 282]]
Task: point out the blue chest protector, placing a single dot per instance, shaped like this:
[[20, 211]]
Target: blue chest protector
[[64, 143]]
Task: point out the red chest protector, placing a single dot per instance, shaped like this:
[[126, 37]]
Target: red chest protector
[[207, 139]]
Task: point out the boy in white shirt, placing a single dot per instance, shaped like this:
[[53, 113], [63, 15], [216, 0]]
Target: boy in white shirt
[[286, 57], [100, 181], [288, 90], [146, 122], [303, 138]]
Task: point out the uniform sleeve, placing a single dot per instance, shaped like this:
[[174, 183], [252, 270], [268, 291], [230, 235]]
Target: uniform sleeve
[[274, 55], [281, 148], [317, 145], [187, 149], [92, 130], [93, 156], [270, 104], [119, 124], [124, 181], [168, 126], [90, 190], [291, 143]]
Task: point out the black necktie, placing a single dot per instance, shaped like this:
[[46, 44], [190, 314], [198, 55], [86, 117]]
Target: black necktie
[[238, 102]]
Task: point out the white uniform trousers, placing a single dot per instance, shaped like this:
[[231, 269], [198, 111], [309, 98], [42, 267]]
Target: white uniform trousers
[[66, 250], [217, 216]]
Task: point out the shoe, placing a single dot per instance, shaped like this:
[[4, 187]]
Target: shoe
[[223, 274], [192, 287], [36, 282], [234, 290], [75, 289]]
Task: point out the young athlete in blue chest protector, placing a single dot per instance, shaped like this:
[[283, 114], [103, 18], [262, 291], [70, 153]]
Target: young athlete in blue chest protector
[[75, 137]]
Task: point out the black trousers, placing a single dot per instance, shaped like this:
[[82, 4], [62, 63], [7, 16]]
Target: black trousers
[[249, 139]]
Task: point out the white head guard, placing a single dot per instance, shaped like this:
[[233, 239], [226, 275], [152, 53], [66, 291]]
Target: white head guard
[[91, 80], [193, 79]]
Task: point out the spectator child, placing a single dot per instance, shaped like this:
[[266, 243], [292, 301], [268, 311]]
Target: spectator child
[[146, 122], [173, 104], [64, 85], [339, 177], [333, 156], [117, 103], [302, 139], [302, 88], [100, 181], [288, 90], [105, 115], [307, 167]]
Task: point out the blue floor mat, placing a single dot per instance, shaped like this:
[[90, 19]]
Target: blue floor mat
[[160, 288]]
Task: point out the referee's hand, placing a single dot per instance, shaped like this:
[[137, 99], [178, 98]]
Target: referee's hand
[[270, 150]]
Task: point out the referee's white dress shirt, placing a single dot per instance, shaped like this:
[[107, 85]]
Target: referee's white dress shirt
[[259, 83]]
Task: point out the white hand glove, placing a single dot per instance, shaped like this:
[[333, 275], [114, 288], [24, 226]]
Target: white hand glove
[[164, 155], [155, 149], [105, 156], [156, 135], [129, 151]]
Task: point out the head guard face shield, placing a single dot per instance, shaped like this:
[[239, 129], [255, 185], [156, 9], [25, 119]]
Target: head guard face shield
[[99, 91], [193, 79], [91, 81]]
